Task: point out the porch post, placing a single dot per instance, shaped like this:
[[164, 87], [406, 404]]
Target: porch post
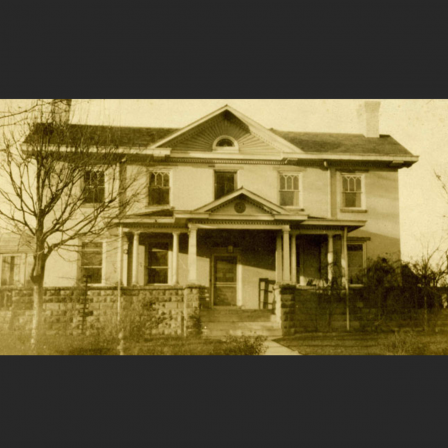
[[294, 258], [330, 258], [344, 262], [175, 276], [120, 258], [135, 250], [125, 257], [302, 264], [286, 257], [278, 260], [192, 255]]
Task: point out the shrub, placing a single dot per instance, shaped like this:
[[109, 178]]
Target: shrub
[[243, 345]]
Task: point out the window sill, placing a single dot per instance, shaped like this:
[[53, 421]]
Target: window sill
[[353, 210], [293, 209]]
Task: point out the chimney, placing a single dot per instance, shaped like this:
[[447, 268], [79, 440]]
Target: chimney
[[369, 118], [60, 110]]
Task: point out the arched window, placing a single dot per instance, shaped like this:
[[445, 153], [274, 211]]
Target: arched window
[[225, 143]]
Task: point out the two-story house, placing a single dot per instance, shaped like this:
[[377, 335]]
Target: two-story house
[[228, 203]]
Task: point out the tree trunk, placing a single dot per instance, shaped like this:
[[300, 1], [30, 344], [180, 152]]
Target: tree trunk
[[38, 300], [37, 277]]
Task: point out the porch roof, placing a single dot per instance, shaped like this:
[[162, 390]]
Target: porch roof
[[184, 220], [241, 209]]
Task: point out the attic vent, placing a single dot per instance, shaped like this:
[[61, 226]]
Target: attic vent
[[225, 144]]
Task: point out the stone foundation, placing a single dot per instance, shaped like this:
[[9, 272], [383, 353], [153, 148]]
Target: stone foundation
[[304, 309], [169, 310], [301, 309]]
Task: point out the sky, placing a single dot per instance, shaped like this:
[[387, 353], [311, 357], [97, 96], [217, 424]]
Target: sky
[[419, 125]]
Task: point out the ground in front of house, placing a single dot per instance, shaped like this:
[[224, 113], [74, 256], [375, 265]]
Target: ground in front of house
[[402, 343]]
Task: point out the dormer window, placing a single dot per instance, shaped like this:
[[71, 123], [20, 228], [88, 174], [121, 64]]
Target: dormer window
[[225, 144]]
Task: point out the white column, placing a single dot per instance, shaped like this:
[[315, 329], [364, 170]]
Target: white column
[[175, 277], [192, 256], [286, 257], [135, 250], [302, 263], [120, 258], [344, 259], [125, 258], [294, 259], [278, 260], [330, 257]]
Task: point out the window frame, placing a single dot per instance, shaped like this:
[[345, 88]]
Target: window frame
[[299, 174], [343, 207], [170, 187], [84, 187], [229, 149], [147, 245], [81, 267], [225, 171]]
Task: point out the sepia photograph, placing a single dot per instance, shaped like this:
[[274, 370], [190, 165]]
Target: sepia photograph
[[254, 227]]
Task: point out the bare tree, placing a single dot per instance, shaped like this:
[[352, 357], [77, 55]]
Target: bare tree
[[431, 270], [63, 183]]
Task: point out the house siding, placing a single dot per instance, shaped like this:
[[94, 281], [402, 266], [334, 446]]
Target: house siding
[[192, 187]]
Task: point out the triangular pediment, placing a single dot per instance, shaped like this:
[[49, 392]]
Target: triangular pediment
[[242, 202], [249, 137]]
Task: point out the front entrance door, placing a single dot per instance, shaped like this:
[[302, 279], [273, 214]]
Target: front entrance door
[[225, 281]]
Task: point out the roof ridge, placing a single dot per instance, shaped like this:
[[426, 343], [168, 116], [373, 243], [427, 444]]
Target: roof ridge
[[326, 133]]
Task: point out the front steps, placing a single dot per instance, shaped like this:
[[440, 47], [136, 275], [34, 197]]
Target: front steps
[[221, 322]]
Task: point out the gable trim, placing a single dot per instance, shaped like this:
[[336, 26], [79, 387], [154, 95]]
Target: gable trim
[[242, 191], [257, 130]]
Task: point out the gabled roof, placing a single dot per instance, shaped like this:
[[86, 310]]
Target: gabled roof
[[270, 137], [269, 206], [356, 144], [305, 143], [131, 137]]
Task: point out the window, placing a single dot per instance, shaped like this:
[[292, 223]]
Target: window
[[225, 143], [289, 190], [158, 263], [159, 188], [352, 190], [224, 183], [94, 187], [356, 262], [10, 270], [92, 262]]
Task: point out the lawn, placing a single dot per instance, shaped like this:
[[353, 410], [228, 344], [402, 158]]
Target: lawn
[[19, 344], [403, 343]]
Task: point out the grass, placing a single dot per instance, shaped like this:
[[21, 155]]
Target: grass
[[404, 343], [18, 344]]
